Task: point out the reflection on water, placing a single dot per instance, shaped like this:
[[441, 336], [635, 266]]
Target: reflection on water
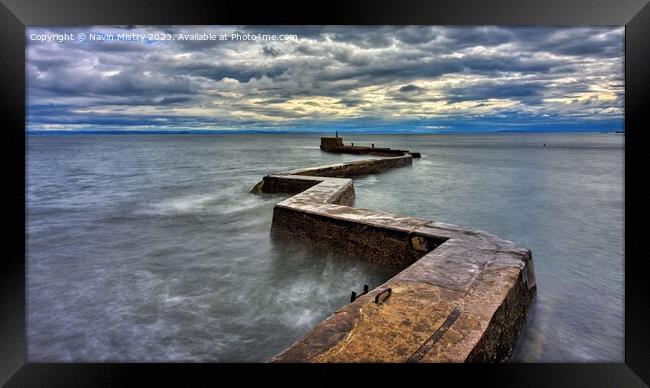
[[150, 248]]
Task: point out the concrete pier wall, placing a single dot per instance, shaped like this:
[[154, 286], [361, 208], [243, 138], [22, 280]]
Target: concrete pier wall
[[462, 294], [354, 168], [335, 145], [381, 244]]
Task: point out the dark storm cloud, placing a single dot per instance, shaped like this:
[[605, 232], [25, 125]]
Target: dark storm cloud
[[350, 102], [173, 100], [272, 101], [462, 37], [410, 89], [137, 83], [241, 74], [68, 117], [270, 51], [585, 42], [389, 69], [568, 41], [415, 35], [329, 73]]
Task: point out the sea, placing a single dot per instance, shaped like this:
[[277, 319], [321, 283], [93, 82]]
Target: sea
[[150, 248]]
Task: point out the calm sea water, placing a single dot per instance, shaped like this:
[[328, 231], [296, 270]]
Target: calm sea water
[[150, 248]]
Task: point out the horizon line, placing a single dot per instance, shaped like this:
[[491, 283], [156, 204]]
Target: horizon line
[[289, 132]]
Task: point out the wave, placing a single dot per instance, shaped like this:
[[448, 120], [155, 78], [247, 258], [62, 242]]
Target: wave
[[221, 203]]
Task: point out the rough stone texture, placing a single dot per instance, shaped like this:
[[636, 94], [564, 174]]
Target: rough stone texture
[[390, 247], [462, 295]]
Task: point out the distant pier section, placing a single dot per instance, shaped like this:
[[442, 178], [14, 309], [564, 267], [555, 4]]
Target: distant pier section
[[460, 294], [336, 145]]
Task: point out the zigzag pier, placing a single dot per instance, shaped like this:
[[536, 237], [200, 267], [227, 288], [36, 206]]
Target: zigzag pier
[[461, 294]]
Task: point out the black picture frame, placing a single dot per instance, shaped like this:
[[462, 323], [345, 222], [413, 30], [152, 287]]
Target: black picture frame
[[16, 14]]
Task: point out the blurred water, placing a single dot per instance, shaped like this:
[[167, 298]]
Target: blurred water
[[150, 248]]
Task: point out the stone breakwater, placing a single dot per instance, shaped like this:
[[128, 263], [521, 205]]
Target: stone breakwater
[[462, 294]]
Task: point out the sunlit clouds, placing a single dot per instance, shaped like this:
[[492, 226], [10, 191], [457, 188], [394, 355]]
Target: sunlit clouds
[[414, 79]]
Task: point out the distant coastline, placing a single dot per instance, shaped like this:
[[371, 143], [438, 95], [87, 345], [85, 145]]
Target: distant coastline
[[290, 132]]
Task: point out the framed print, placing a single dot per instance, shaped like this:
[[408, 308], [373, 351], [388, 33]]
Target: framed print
[[380, 190]]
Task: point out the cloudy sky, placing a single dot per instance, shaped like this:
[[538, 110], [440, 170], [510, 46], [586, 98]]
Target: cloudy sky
[[406, 79]]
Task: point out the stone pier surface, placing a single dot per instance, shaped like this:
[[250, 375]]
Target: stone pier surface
[[462, 294]]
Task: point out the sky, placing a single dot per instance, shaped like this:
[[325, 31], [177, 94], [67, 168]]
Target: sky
[[376, 79]]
